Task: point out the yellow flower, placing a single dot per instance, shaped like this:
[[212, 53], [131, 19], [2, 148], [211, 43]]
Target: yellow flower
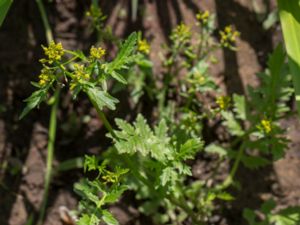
[[143, 46], [80, 74], [202, 17], [45, 77], [228, 37], [181, 33], [97, 53], [223, 102], [265, 126], [54, 52]]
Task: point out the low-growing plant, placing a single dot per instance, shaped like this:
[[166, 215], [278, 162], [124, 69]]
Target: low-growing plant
[[153, 160]]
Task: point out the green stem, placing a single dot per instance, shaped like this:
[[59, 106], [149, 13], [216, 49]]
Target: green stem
[[52, 122], [228, 181], [50, 153], [48, 31]]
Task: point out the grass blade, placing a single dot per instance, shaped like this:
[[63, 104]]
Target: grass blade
[[289, 13], [4, 7]]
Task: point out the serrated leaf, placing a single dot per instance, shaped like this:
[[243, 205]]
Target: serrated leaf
[[189, 148], [86, 190], [101, 98], [124, 54], [118, 77], [140, 138], [88, 220], [240, 106], [290, 24], [233, 126], [33, 101], [109, 218], [216, 149], [168, 174], [115, 194], [288, 216]]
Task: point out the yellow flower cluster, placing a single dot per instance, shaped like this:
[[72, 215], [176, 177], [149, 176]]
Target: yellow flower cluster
[[265, 126], [198, 78], [181, 32], [54, 52], [228, 37], [223, 102], [80, 74], [97, 53], [202, 17], [143, 46], [45, 77]]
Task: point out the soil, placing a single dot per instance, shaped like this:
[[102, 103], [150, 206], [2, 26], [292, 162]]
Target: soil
[[23, 143]]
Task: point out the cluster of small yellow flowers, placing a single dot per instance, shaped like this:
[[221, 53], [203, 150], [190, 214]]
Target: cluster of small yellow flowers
[[143, 46], [181, 32], [95, 12], [202, 17], [228, 37], [54, 52], [45, 77], [265, 126], [198, 78], [79, 73], [97, 53], [223, 102]]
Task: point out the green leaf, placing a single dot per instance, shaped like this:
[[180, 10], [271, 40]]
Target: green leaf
[[167, 175], [101, 98], [109, 218], [216, 149], [268, 206], [250, 216], [233, 126], [140, 138], [90, 163], [288, 216], [240, 106], [4, 7], [225, 196], [86, 219], [290, 23], [124, 57], [86, 190], [33, 101], [189, 148], [115, 194], [118, 77], [254, 162]]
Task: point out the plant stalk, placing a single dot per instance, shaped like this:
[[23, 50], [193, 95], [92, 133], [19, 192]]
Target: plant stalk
[[50, 153], [52, 122], [49, 35], [228, 181]]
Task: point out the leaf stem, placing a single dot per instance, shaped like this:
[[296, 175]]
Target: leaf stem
[[46, 24], [52, 122], [50, 153], [228, 181]]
